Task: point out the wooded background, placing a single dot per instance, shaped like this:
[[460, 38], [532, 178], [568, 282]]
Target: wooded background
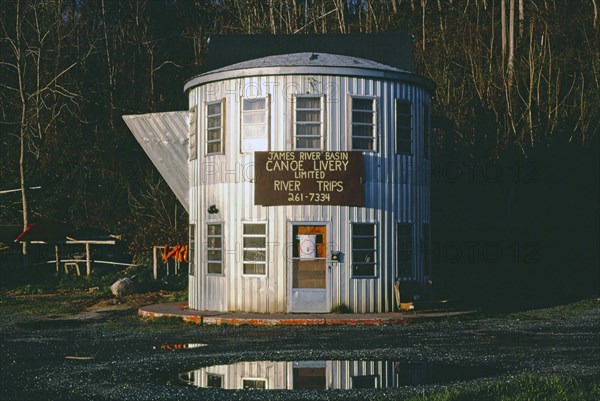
[[518, 94]]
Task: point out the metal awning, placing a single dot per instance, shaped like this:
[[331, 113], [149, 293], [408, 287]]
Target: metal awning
[[164, 138]]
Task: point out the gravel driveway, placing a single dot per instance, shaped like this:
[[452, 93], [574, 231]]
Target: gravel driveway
[[108, 353]]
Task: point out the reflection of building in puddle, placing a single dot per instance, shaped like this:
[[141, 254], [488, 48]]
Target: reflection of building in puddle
[[182, 346], [315, 375]]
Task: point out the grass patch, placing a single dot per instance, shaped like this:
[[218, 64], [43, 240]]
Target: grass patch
[[41, 305], [569, 310], [46, 280], [177, 296], [574, 309], [521, 388]]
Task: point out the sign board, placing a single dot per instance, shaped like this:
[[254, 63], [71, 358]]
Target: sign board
[[308, 178]]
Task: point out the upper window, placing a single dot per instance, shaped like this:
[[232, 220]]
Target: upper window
[[194, 133], [403, 126], [364, 122], [254, 384], [214, 128], [426, 249], [192, 251], [255, 124], [254, 244], [426, 132], [404, 249], [309, 123], [365, 381], [214, 380], [214, 248], [363, 250]]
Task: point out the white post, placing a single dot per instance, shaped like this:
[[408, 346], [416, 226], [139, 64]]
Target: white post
[[88, 264], [56, 255], [155, 263]]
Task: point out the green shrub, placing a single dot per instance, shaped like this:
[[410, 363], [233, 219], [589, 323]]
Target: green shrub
[[341, 308]]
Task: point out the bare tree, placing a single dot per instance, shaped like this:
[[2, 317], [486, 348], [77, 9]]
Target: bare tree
[[423, 6], [503, 28], [511, 43], [521, 17], [36, 35]]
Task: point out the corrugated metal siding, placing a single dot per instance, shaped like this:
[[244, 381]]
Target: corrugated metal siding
[[342, 372], [275, 374], [396, 190], [164, 138]]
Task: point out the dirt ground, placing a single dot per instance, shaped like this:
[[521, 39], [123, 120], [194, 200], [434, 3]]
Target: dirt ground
[[80, 346]]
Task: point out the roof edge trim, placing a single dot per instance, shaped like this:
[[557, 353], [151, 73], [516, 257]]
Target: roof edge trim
[[405, 76]]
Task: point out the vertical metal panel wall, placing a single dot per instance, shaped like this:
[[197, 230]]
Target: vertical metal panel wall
[[396, 190]]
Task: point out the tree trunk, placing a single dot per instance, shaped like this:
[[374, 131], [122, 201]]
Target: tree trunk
[[521, 17], [17, 50], [109, 64], [423, 4], [503, 28], [511, 43], [272, 17], [25, 207]]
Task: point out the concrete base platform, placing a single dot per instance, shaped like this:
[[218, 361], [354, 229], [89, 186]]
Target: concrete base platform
[[180, 309]]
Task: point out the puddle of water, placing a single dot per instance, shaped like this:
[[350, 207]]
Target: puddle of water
[[181, 346], [329, 375]]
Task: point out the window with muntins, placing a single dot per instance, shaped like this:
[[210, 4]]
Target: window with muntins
[[254, 243], [364, 121], [404, 249], [363, 250], [193, 133], [214, 128], [214, 380], [426, 132], [403, 126], [426, 249], [366, 381], [309, 123], [192, 251], [214, 248], [255, 124], [254, 384]]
